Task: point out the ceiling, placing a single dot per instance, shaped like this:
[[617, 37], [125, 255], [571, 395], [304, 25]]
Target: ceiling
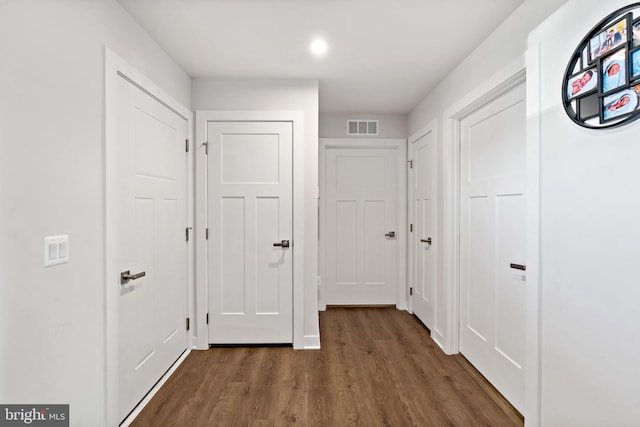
[[384, 55]]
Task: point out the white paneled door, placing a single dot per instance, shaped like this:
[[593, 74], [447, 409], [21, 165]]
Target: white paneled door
[[361, 250], [492, 242], [250, 232], [422, 239], [151, 245]]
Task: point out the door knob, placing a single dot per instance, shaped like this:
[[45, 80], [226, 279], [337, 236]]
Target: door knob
[[282, 244], [126, 276], [518, 267], [427, 240], [390, 234]]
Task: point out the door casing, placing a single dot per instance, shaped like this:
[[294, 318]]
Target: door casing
[[200, 225], [510, 76], [116, 68], [438, 290], [400, 147]]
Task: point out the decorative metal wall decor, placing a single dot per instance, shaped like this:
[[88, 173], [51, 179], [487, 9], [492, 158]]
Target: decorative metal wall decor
[[601, 87]]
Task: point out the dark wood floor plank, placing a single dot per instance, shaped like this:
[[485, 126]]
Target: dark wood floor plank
[[377, 367]]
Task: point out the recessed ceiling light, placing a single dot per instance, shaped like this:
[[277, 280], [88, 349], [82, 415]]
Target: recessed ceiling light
[[319, 47]]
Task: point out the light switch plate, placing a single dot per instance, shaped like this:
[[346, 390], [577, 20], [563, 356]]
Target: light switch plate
[[56, 250]]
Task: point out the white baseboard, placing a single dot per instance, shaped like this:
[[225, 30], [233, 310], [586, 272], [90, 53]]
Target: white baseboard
[[438, 339], [132, 416], [311, 342]]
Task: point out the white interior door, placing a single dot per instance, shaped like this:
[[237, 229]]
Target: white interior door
[[249, 213], [151, 244], [422, 153], [492, 238], [361, 258]]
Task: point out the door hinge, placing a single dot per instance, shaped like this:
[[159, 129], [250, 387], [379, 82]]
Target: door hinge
[[186, 230], [206, 234], [410, 163], [207, 318], [186, 147], [188, 323], [410, 228], [206, 147], [410, 291]]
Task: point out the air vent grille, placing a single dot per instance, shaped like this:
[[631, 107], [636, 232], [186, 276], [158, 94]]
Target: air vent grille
[[362, 127]]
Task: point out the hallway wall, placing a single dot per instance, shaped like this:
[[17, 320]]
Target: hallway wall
[[52, 320], [505, 48], [588, 286], [589, 215], [506, 44], [334, 125]]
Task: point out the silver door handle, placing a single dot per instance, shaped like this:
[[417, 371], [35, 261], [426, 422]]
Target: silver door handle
[[390, 234], [282, 244], [427, 240], [518, 267], [126, 276]]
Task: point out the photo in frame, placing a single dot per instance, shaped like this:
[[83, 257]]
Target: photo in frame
[[608, 40], [635, 31], [582, 83], [620, 103], [634, 64], [614, 71]]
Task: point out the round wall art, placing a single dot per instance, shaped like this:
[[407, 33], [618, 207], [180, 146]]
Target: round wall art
[[601, 87]]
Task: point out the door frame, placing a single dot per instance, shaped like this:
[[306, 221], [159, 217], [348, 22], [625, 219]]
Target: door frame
[[115, 69], [400, 146], [509, 77], [430, 128], [200, 225]]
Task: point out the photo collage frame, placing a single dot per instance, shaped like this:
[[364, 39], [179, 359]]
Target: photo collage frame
[[601, 87]]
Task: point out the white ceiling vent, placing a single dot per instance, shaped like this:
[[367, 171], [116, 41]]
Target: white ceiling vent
[[362, 127]]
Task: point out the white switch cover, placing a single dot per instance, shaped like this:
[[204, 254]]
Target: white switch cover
[[56, 250]]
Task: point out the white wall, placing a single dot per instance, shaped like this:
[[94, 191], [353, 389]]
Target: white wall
[[590, 234], [507, 43], [334, 125], [287, 95], [52, 321]]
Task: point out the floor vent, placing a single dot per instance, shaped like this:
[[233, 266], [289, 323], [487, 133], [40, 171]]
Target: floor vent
[[362, 127]]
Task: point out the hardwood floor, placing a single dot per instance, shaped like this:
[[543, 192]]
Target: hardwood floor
[[377, 367]]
